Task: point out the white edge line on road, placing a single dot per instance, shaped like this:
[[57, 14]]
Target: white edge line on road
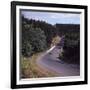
[[50, 49]]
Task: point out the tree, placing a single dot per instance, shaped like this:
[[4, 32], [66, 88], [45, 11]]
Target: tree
[[33, 40], [27, 49], [37, 38]]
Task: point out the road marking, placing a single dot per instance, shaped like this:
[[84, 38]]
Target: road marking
[[50, 49]]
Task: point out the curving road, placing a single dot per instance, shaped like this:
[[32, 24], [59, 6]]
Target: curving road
[[50, 60]]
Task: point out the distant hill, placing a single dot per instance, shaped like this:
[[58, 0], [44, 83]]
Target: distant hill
[[63, 28]]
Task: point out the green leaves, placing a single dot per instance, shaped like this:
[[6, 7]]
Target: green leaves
[[33, 40], [71, 48], [27, 48]]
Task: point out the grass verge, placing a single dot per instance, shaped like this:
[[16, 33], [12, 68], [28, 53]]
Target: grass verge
[[30, 69]]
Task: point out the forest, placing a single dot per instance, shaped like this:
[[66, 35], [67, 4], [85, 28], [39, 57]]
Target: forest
[[37, 37]]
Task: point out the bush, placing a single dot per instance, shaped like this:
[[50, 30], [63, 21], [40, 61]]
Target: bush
[[27, 49]]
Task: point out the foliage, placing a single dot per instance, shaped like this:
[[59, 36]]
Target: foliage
[[71, 49], [64, 29], [49, 30], [33, 40], [26, 49], [29, 68], [55, 40]]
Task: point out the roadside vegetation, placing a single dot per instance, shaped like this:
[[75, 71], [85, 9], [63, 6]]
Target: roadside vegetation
[[71, 49], [30, 69]]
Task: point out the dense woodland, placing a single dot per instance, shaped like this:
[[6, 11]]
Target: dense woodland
[[71, 47], [37, 37]]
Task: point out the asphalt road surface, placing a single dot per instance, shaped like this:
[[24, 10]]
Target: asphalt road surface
[[50, 60]]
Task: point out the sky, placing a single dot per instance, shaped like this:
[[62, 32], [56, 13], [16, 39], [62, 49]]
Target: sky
[[53, 17]]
